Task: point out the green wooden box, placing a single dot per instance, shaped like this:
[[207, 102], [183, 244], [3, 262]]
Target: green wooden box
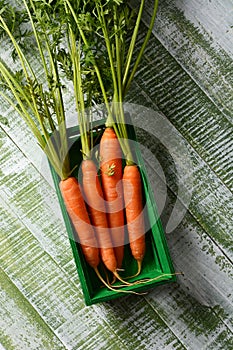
[[157, 264]]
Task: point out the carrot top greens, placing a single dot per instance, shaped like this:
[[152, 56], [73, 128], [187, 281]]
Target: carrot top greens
[[108, 32], [91, 43], [38, 101]]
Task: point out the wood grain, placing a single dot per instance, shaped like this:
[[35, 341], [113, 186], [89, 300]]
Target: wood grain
[[186, 76]]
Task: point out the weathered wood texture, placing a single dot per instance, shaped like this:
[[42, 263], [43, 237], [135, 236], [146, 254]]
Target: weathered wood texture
[[186, 75]]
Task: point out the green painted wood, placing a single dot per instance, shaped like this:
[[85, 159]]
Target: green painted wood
[[186, 75]]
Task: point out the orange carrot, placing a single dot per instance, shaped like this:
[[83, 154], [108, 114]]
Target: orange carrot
[[77, 211], [94, 198], [111, 176], [134, 212]]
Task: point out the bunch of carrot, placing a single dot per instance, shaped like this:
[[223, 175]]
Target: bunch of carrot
[[120, 187], [100, 231], [98, 51]]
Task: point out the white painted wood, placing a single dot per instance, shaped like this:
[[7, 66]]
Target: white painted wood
[[21, 327], [45, 275], [213, 18], [179, 27], [42, 304]]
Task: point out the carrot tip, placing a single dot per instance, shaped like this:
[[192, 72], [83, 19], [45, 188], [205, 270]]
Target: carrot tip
[[113, 288], [139, 267], [114, 280], [106, 275], [121, 279], [102, 280], [147, 280], [139, 262]]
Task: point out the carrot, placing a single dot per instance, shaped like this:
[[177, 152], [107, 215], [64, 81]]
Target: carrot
[[77, 211], [111, 176], [134, 212], [94, 197]]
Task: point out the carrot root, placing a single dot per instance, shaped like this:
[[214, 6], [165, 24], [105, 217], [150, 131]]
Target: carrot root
[[139, 263], [132, 187], [147, 280], [76, 208], [94, 196], [114, 288], [111, 176], [114, 279], [116, 274]]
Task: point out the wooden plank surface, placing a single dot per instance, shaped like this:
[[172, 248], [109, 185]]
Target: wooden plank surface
[[187, 76]]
